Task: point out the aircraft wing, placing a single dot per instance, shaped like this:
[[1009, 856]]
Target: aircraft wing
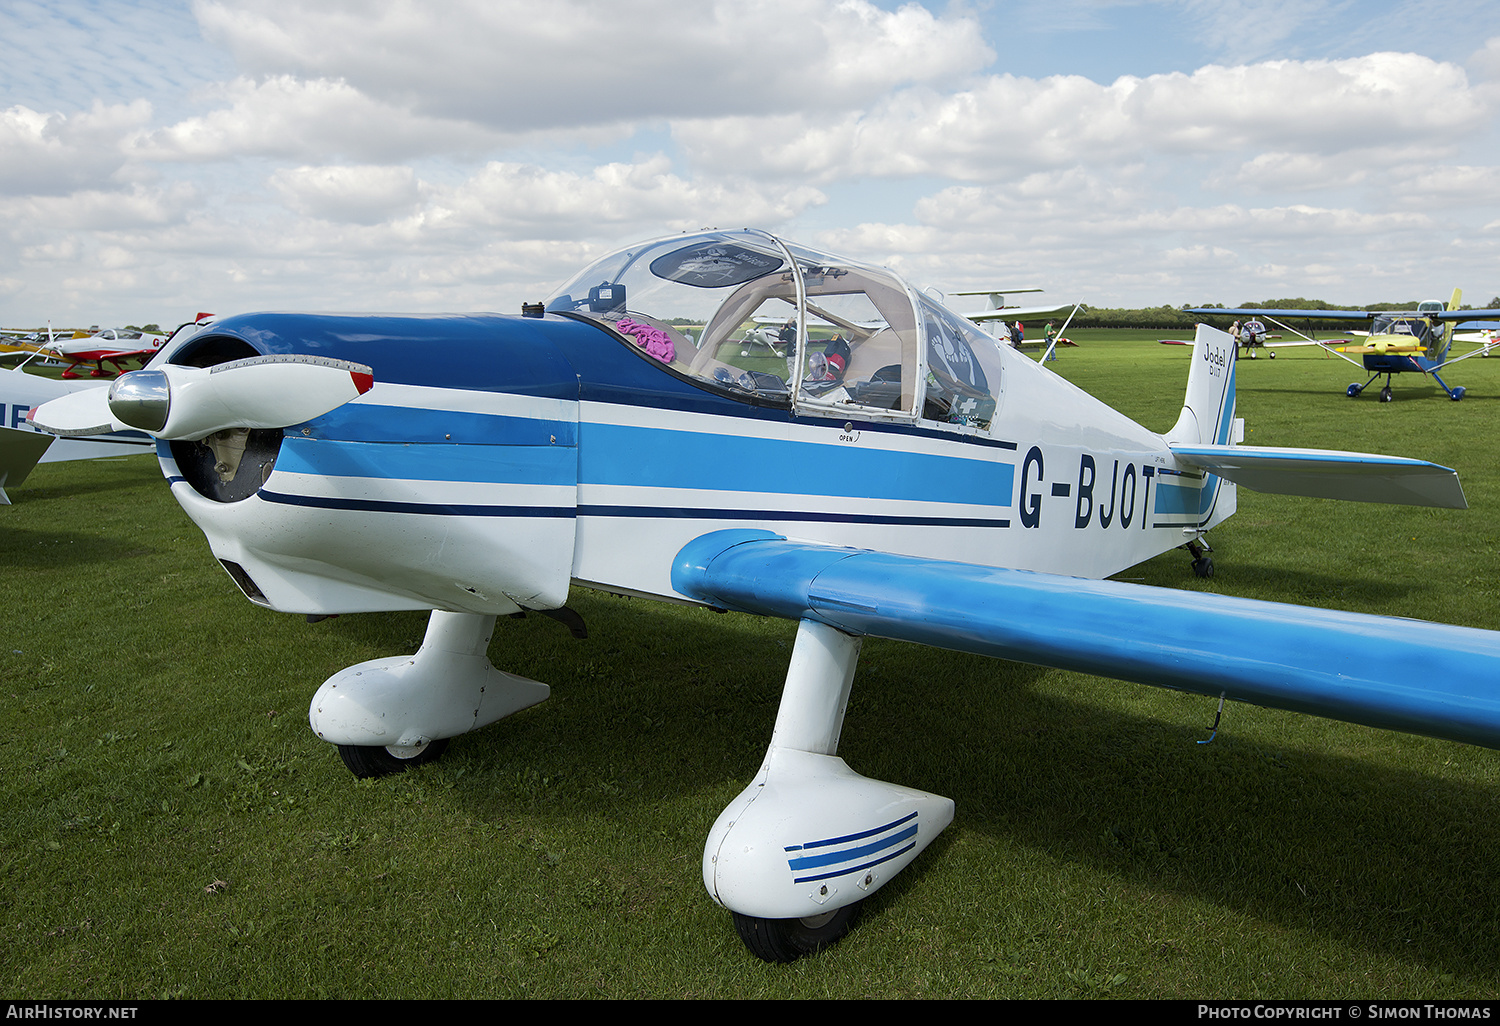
[[1321, 474], [1348, 315], [1262, 345], [1330, 315], [1410, 675], [19, 452], [1015, 313]]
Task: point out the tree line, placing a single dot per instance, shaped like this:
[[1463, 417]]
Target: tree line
[[1168, 318]]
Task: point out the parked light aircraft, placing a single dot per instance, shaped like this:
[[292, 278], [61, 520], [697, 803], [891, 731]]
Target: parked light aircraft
[[1398, 341], [113, 346], [21, 392], [923, 483], [1001, 316]]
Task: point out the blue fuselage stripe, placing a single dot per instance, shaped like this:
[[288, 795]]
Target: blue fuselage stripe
[[655, 458], [490, 464]]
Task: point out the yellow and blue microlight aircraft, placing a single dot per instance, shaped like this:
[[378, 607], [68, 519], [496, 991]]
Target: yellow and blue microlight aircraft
[[898, 474], [1397, 341]]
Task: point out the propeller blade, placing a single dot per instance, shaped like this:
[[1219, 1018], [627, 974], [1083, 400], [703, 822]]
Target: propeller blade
[[189, 403], [85, 412]]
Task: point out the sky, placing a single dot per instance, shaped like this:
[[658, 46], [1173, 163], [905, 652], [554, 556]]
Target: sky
[[164, 157]]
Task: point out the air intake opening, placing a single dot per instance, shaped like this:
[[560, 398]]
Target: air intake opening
[[219, 469], [246, 585]]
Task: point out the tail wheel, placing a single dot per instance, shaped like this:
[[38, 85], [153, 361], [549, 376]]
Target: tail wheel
[[380, 761], [786, 940]]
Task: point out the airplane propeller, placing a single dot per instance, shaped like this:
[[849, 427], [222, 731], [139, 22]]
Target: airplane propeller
[[177, 402]]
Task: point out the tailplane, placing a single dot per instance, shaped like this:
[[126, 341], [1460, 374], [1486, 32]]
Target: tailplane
[[1206, 440]]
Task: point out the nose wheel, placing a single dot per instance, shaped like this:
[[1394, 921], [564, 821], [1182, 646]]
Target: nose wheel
[[382, 760], [786, 940]]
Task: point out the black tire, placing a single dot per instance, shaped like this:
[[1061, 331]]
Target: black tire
[[1203, 567], [786, 940], [376, 761]]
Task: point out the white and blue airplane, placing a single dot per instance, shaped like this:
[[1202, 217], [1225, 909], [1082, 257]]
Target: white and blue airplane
[[900, 474]]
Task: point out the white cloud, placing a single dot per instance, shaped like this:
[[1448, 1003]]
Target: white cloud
[[95, 210], [287, 117], [360, 195], [56, 153], [523, 200], [1005, 124], [514, 65], [1485, 61]]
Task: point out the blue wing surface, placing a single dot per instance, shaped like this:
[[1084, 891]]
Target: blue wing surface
[[1328, 315], [1409, 675], [1343, 315]]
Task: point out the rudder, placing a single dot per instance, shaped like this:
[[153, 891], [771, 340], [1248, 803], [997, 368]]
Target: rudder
[[1207, 416]]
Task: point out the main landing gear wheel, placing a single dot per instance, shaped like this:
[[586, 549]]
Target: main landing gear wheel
[[379, 761], [1353, 390], [1203, 567], [786, 940], [1385, 394]]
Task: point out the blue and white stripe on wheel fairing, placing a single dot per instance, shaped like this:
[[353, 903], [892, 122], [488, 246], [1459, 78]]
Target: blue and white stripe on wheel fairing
[[852, 853]]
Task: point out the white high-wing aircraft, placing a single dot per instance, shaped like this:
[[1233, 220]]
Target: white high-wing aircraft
[[1001, 317], [908, 478]]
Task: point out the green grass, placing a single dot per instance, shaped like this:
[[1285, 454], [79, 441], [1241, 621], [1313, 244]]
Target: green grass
[[173, 828]]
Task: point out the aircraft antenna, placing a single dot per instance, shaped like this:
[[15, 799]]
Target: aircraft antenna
[[1214, 730]]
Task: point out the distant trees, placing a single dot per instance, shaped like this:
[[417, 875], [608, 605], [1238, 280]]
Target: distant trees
[[1156, 318], [1168, 318]]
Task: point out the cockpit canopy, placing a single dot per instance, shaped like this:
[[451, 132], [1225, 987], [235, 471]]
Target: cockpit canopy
[[768, 321], [1421, 329]]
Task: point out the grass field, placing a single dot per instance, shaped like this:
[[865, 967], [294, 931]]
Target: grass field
[[173, 828]]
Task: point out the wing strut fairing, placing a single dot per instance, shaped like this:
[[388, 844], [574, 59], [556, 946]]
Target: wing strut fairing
[[810, 838]]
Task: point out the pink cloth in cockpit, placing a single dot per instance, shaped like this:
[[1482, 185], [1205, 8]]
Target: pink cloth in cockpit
[[653, 340]]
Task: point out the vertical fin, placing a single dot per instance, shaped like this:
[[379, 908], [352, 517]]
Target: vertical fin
[[1207, 416], [1441, 356]]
